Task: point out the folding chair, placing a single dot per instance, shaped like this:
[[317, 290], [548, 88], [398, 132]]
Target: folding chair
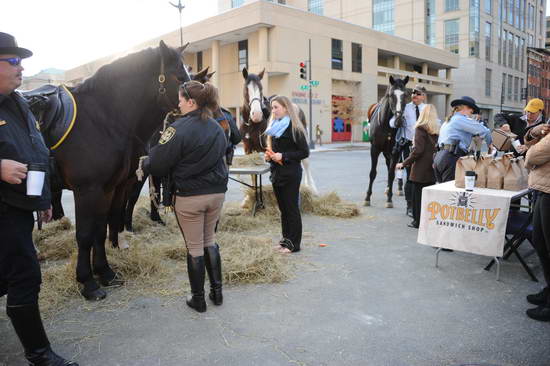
[[519, 228]]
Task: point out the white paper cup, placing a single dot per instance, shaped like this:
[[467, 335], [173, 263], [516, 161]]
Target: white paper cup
[[35, 179], [399, 173], [516, 144], [469, 180]]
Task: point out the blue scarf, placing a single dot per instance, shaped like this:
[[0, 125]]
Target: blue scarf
[[278, 127]]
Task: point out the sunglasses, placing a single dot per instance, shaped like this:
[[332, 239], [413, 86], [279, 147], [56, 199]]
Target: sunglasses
[[13, 61], [417, 93]]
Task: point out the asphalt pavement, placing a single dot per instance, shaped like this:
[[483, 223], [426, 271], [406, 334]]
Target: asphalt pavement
[[372, 296]]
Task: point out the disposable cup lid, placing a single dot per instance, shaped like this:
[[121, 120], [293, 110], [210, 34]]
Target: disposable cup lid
[[37, 167]]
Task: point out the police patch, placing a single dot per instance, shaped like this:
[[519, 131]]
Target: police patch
[[167, 135]]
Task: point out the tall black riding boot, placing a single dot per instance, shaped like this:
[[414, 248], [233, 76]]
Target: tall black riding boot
[[195, 268], [213, 263], [28, 326]]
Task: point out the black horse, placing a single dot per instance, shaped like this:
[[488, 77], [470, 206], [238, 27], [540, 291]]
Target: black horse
[[161, 193], [382, 136], [119, 108]]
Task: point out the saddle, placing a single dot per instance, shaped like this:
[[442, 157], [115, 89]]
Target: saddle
[[371, 110], [54, 108]]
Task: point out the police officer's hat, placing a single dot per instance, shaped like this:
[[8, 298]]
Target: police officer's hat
[[467, 101], [8, 45]]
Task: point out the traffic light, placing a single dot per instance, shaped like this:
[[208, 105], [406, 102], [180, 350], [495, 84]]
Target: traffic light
[[303, 70]]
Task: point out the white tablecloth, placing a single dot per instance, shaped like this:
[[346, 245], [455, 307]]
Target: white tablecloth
[[473, 222]]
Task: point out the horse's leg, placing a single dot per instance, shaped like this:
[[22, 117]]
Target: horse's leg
[[391, 162], [374, 153], [116, 214], [308, 177], [57, 207], [155, 200], [133, 197], [90, 206]]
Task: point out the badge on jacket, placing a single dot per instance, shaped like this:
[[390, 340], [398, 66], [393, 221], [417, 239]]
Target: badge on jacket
[[2, 122], [167, 135]]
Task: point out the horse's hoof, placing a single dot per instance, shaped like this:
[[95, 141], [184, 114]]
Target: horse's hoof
[[158, 220], [367, 203], [122, 244], [93, 292], [129, 228], [389, 205], [113, 281], [400, 193]]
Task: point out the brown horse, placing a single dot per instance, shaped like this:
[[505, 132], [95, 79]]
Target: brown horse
[[119, 108]]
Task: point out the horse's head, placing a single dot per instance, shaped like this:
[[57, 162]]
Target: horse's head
[[203, 76], [398, 96], [172, 73], [253, 95]]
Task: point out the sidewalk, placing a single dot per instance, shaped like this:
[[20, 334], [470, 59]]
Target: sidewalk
[[338, 146]]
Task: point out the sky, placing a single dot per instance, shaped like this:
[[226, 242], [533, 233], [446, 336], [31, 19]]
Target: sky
[[64, 34]]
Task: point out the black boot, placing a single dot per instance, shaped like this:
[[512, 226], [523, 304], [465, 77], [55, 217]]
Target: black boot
[[195, 268], [28, 326], [540, 298], [541, 313], [213, 263]]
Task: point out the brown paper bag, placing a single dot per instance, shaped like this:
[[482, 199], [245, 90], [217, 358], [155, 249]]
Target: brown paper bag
[[482, 164], [495, 174], [506, 158], [463, 164], [502, 139], [514, 179]]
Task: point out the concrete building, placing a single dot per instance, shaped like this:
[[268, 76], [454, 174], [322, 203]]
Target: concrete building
[[490, 36], [538, 60], [351, 62], [547, 44]]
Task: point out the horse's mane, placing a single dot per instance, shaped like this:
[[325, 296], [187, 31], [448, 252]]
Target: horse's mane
[[109, 74]]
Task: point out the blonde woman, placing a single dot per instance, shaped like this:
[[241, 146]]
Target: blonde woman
[[421, 157], [456, 136], [287, 147]]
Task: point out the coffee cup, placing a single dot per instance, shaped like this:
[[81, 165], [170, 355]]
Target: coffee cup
[[470, 180], [36, 174], [399, 173]]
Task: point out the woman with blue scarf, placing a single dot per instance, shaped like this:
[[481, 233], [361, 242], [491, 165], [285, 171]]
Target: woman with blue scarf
[[287, 147]]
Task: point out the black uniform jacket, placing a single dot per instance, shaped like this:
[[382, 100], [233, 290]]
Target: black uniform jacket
[[191, 150], [20, 140], [293, 153]]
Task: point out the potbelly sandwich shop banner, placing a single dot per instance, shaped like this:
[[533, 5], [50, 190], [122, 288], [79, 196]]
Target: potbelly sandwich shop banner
[[473, 222]]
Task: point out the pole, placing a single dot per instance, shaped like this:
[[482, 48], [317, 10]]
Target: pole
[[502, 93], [311, 142], [180, 8]]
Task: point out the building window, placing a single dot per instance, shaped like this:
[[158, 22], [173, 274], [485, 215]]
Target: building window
[[531, 17], [504, 49], [315, 6], [488, 76], [430, 22], [356, 57], [511, 12], [451, 5], [522, 53], [522, 15], [337, 54], [541, 24], [243, 54], [531, 42], [510, 81], [199, 61], [383, 15], [474, 28], [503, 87], [516, 89], [488, 41], [517, 51], [518, 13], [499, 45], [451, 35], [236, 3], [510, 50], [488, 6]]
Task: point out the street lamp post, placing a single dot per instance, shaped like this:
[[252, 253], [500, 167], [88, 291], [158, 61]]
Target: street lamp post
[[180, 7]]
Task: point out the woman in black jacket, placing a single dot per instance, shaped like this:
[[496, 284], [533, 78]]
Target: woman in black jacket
[[287, 146], [192, 151]]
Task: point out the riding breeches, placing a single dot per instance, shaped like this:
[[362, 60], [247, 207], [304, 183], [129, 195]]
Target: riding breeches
[[20, 276], [197, 217]]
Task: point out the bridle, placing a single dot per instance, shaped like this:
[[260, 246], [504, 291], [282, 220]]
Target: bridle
[[162, 96]]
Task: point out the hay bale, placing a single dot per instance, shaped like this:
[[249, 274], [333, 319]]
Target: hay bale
[[56, 240], [329, 204], [240, 161]]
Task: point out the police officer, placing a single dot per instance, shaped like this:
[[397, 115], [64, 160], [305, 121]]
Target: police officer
[[20, 145], [405, 135], [456, 136]]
